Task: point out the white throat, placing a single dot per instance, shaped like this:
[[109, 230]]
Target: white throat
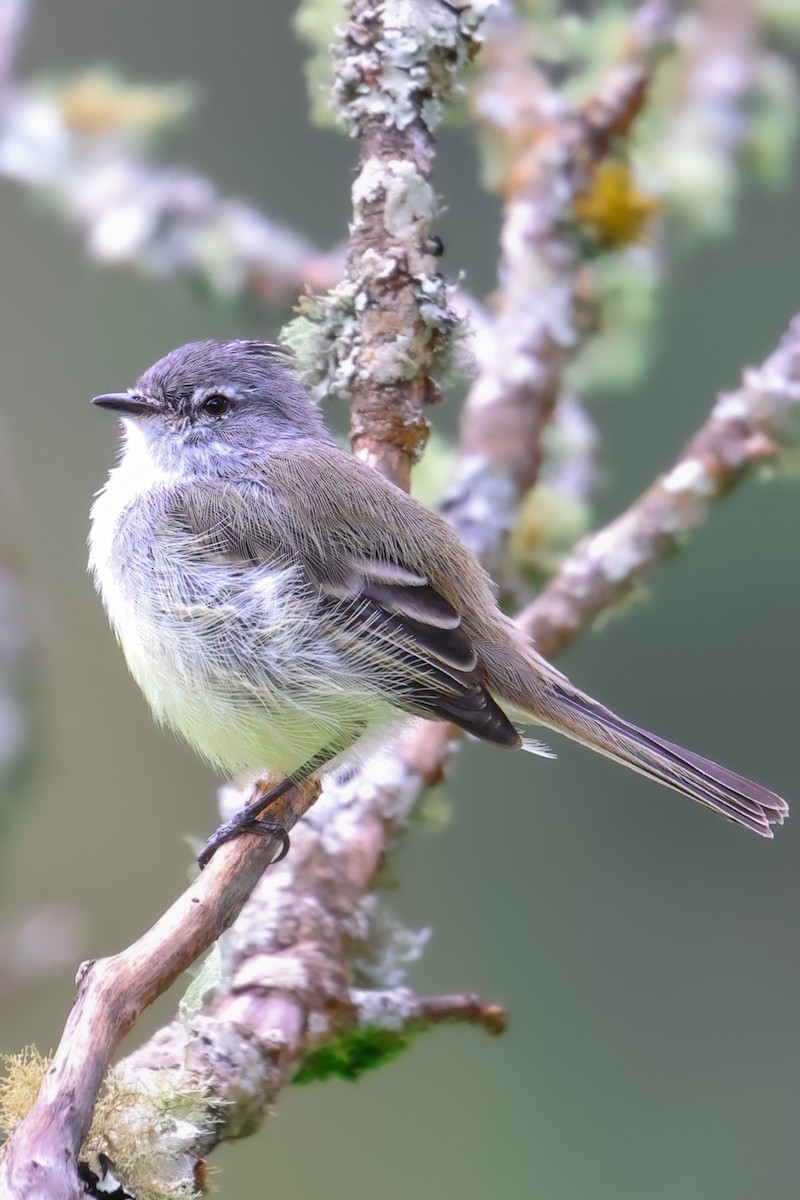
[[137, 471]]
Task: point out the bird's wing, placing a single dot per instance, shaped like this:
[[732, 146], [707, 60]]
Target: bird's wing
[[395, 629]]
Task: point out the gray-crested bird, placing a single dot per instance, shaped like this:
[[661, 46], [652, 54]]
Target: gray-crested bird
[[278, 601]]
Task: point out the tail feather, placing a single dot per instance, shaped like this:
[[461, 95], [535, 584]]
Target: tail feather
[[732, 795]]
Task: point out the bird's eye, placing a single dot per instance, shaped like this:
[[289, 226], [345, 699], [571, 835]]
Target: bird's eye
[[216, 405]]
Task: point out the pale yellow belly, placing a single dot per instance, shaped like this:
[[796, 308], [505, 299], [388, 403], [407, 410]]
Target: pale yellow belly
[[246, 729]]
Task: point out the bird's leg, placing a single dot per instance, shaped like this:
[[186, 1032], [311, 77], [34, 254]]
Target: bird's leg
[[249, 819]]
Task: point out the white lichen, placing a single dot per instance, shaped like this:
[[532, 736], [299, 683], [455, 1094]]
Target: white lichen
[[689, 476], [406, 64], [383, 947], [272, 971], [324, 340], [385, 1010], [616, 551]]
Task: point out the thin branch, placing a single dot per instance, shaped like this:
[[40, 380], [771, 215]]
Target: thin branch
[[80, 147], [543, 317], [711, 120], [746, 429]]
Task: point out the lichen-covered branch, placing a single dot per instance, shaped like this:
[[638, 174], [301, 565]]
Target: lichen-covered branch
[[398, 64], [40, 1160], [82, 146], [544, 309], [308, 982], [166, 222], [384, 336], [746, 428]]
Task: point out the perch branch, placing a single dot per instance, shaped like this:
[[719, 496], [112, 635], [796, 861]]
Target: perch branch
[[40, 1160]]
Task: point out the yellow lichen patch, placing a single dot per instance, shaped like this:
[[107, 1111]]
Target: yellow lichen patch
[[19, 1086], [148, 1134], [97, 103], [549, 523], [612, 209]]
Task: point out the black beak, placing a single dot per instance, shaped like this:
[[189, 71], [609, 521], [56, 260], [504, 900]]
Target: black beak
[[123, 402]]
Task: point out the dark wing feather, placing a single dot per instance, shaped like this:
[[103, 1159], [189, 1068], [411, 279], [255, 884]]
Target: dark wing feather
[[411, 640], [397, 629]]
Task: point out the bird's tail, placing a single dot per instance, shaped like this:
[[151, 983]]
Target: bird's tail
[[564, 708]]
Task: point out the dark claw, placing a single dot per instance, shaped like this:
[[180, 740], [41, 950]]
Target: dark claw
[[249, 818], [231, 829], [272, 829]]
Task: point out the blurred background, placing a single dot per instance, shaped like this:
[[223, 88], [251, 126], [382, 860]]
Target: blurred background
[[647, 952]]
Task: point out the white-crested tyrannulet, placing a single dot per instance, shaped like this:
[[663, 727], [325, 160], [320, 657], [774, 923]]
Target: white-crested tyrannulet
[[277, 600]]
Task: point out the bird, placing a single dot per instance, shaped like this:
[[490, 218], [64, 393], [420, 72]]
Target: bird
[[280, 602]]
